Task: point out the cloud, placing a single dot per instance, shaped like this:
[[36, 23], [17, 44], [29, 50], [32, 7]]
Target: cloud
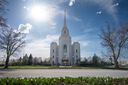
[[88, 30], [24, 28], [71, 2], [53, 25], [107, 5], [79, 39], [116, 4], [83, 43], [24, 7], [77, 19], [23, 0], [99, 12], [41, 47]]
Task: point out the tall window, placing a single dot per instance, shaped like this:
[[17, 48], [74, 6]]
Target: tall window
[[76, 56], [65, 31], [65, 48], [76, 50], [53, 50]]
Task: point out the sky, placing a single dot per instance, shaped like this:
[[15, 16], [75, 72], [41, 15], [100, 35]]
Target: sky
[[42, 21]]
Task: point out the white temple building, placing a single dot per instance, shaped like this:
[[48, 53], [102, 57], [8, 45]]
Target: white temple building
[[66, 53]]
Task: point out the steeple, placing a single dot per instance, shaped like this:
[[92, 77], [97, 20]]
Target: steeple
[[65, 18], [65, 30]]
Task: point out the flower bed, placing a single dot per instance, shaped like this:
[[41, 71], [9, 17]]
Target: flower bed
[[64, 81]]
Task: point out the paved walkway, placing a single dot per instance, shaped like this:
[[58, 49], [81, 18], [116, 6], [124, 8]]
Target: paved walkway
[[63, 73]]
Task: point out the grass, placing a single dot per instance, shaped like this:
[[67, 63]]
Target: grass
[[27, 67], [64, 81], [56, 67]]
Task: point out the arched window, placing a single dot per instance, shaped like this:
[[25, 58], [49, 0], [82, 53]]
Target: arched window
[[65, 48], [76, 56], [65, 31], [76, 50]]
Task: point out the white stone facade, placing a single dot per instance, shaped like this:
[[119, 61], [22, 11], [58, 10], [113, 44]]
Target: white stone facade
[[66, 53]]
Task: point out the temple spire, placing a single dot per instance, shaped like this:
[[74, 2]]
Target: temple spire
[[65, 30], [65, 18]]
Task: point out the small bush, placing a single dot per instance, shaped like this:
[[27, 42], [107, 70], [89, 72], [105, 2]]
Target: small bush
[[64, 81]]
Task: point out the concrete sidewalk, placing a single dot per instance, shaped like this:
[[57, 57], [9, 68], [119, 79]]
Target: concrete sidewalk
[[63, 73]]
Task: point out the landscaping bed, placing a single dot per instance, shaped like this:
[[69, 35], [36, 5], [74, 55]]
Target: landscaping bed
[[64, 81]]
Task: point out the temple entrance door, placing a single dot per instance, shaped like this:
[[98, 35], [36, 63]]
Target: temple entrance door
[[65, 62]]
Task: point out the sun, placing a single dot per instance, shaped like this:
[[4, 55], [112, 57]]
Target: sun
[[39, 13]]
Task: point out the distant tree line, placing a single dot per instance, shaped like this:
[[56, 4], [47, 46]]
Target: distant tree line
[[29, 60], [95, 61]]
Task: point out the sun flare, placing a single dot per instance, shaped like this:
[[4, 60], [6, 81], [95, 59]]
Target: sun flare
[[39, 13]]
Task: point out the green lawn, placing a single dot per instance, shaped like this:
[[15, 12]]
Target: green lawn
[[56, 67], [27, 67]]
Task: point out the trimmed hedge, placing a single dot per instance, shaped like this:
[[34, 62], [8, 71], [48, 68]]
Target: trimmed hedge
[[64, 81]]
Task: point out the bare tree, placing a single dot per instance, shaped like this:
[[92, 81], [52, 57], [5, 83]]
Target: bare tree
[[108, 55], [10, 42], [115, 40]]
